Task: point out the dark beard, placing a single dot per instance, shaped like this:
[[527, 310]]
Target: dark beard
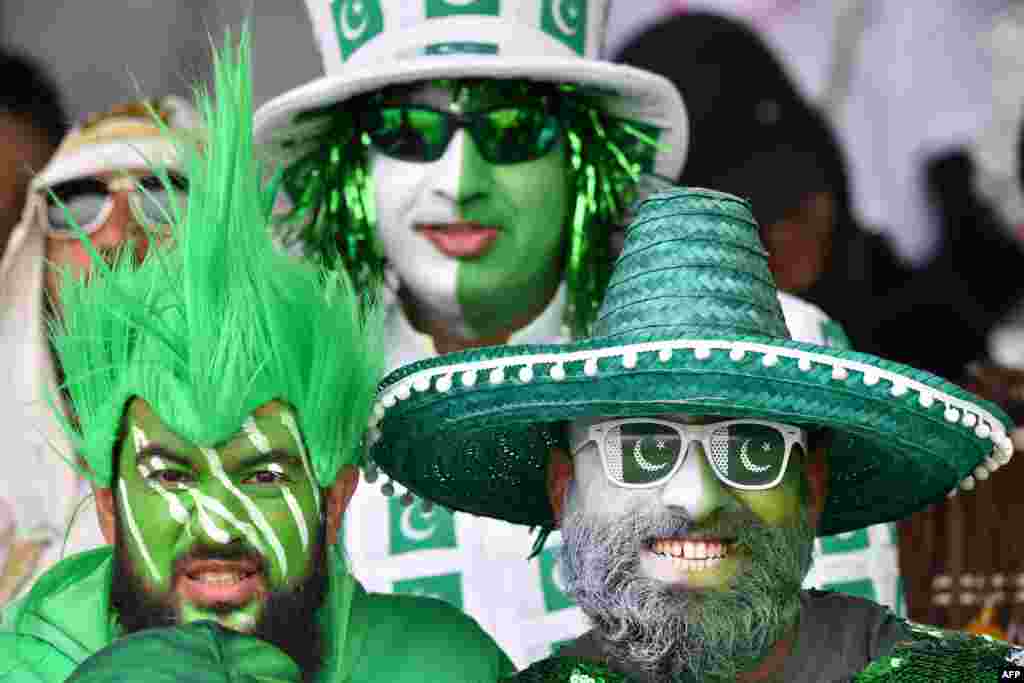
[[664, 632], [288, 619]]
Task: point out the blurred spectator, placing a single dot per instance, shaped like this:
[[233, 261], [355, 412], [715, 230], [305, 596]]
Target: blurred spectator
[[32, 123], [98, 177], [754, 135], [901, 82]]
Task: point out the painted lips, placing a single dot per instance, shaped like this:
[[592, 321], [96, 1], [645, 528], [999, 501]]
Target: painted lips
[[462, 240], [211, 583]]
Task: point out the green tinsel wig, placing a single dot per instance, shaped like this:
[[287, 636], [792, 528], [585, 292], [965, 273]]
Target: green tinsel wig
[[219, 322], [328, 179]]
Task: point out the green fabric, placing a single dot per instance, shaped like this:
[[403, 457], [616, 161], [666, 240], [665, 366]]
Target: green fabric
[[66, 618], [930, 656], [690, 324], [200, 652]]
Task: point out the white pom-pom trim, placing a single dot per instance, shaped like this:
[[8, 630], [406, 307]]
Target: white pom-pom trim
[[957, 410]]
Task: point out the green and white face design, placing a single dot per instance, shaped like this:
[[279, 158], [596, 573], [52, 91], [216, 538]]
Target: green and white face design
[[477, 246], [705, 556], [216, 530]]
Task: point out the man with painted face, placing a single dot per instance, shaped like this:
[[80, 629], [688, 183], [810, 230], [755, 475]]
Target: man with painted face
[[477, 156], [690, 450], [99, 178], [220, 392]]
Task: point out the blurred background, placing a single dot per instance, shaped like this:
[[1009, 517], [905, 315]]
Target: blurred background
[[878, 139]]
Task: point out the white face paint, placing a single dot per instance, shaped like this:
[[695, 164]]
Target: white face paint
[[408, 194], [288, 420], [133, 529]]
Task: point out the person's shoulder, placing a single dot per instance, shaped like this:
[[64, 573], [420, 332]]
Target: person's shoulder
[[567, 670], [431, 636], [934, 654]]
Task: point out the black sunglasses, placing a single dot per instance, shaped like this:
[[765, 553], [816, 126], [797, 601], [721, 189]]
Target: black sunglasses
[[503, 135]]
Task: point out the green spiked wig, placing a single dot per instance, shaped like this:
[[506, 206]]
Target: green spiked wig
[[691, 324], [219, 322]]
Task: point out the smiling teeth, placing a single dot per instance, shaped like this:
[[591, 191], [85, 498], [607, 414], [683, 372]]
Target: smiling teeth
[[695, 551], [219, 577]]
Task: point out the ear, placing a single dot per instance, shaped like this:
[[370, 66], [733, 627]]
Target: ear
[[337, 498], [558, 477], [816, 471], [105, 512]]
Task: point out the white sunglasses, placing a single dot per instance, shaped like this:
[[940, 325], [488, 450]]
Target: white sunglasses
[[639, 453], [88, 202]]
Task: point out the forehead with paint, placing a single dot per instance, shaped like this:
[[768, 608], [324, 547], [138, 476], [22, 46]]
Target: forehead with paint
[[472, 191], [222, 524]]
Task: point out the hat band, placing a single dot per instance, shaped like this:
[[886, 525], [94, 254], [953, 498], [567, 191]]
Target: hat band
[[473, 36]]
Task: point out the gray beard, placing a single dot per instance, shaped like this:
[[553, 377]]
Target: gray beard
[[666, 632]]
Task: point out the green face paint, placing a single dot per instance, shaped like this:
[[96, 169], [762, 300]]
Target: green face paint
[[783, 505], [254, 495], [528, 202]]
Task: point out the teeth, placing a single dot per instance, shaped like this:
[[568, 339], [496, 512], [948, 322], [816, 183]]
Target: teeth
[[693, 552], [220, 577]]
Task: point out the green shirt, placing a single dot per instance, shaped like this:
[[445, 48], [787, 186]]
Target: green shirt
[[396, 638]]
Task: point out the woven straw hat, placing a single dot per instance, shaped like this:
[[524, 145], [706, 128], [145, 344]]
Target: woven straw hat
[[367, 45], [690, 324]]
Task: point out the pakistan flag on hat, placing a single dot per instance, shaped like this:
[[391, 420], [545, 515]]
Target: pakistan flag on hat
[[367, 45], [690, 324]]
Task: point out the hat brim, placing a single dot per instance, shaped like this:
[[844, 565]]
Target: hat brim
[[108, 157], [632, 93], [471, 430]]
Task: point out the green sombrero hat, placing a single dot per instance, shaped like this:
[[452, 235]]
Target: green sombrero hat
[[690, 324]]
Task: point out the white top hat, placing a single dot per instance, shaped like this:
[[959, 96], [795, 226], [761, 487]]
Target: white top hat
[[370, 44]]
